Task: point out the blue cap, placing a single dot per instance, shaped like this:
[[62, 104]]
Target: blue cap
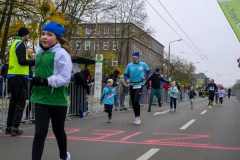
[[135, 54], [158, 69], [191, 88], [54, 27]]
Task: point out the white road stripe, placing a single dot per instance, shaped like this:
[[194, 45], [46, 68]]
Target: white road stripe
[[204, 111], [188, 124], [157, 113], [149, 154], [210, 107]]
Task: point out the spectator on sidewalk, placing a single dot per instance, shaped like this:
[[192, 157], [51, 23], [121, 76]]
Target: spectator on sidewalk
[[18, 75], [4, 75], [123, 90]]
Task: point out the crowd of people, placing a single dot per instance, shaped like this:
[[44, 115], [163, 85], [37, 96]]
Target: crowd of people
[[53, 73]]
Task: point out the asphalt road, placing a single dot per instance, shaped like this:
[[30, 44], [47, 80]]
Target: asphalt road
[[183, 135]]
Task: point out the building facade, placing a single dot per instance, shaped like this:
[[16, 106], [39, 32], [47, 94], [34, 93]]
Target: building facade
[[201, 79], [118, 39]]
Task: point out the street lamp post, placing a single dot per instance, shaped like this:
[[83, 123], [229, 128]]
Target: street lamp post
[[169, 57]]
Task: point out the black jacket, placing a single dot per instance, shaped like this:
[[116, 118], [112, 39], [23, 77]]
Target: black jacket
[[5, 71], [191, 94], [81, 78], [114, 77], [155, 78]]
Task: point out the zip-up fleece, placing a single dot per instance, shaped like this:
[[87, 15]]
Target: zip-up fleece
[[212, 87], [55, 64], [156, 79], [221, 93], [173, 94], [109, 95]]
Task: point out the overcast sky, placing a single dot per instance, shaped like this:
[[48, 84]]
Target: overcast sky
[[204, 22]]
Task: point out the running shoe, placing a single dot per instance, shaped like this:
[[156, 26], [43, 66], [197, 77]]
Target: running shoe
[[8, 130], [125, 108], [209, 103], [170, 109], [67, 158], [135, 120], [138, 121], [121, 109], [175, 110], [109, 120], [191, 107], [16, 131], [149, 110], [159, 103]]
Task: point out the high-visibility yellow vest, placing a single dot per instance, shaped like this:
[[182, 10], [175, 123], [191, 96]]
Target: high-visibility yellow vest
[[14, 66]]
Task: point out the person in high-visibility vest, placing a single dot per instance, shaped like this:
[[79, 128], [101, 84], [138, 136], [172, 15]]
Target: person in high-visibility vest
[[18, 75]]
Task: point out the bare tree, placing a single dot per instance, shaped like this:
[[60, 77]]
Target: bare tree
[[129, 14]]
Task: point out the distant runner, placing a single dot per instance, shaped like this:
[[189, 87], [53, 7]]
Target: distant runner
[[212, 88]]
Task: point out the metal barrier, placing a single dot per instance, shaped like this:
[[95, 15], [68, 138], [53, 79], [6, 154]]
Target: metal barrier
[[238, 98], [78, 100]]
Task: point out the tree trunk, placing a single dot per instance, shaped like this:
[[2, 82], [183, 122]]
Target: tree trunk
[[3, 16], [4, 41]]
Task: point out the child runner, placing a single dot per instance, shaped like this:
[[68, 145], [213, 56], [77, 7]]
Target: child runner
[[173, 91], [109, 96], [221, 94], [191, 94], [49, 93]]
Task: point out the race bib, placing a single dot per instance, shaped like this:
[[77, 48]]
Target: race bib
[[211, 88], [110, 94], [137, 85]]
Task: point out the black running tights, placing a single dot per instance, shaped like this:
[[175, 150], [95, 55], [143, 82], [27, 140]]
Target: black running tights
[[43, 113]]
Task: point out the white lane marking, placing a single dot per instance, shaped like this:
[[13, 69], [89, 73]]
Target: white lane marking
[[188, 124], [163, 112], [204, 112], [149, 154], [210, 107]]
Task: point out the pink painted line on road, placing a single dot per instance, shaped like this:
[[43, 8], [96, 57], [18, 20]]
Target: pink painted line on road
[[131, 136]]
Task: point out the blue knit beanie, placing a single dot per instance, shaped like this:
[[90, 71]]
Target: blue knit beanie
[[158, 69], [55, 28], [135, 54]]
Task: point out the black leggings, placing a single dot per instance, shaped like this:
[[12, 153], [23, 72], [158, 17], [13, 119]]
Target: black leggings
[[43, 113], [135, 97], [221, 100], [108, 109], [229, 94]]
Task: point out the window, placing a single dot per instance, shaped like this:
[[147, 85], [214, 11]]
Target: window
[[115, 45], [98, 31], [87, 45], [106, 30], [106, 45], [88, 31], [96, 45], [116, 30], [78, 45], [114, 61]]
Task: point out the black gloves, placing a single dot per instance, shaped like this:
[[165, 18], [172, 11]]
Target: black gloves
[[39, 81]]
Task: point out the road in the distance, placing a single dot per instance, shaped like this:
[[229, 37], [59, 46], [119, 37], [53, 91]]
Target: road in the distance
[[199, 134]]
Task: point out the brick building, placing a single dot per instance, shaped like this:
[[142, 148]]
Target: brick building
[[120, 40]]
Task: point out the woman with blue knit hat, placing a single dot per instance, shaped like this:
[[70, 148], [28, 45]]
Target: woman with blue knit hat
[[49, 93], [191, 94], [155, 88], [134, 75]]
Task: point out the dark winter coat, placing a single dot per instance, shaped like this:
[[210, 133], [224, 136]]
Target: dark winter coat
[[81, 78], [114, 77], [156, 79], [191, 94]]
